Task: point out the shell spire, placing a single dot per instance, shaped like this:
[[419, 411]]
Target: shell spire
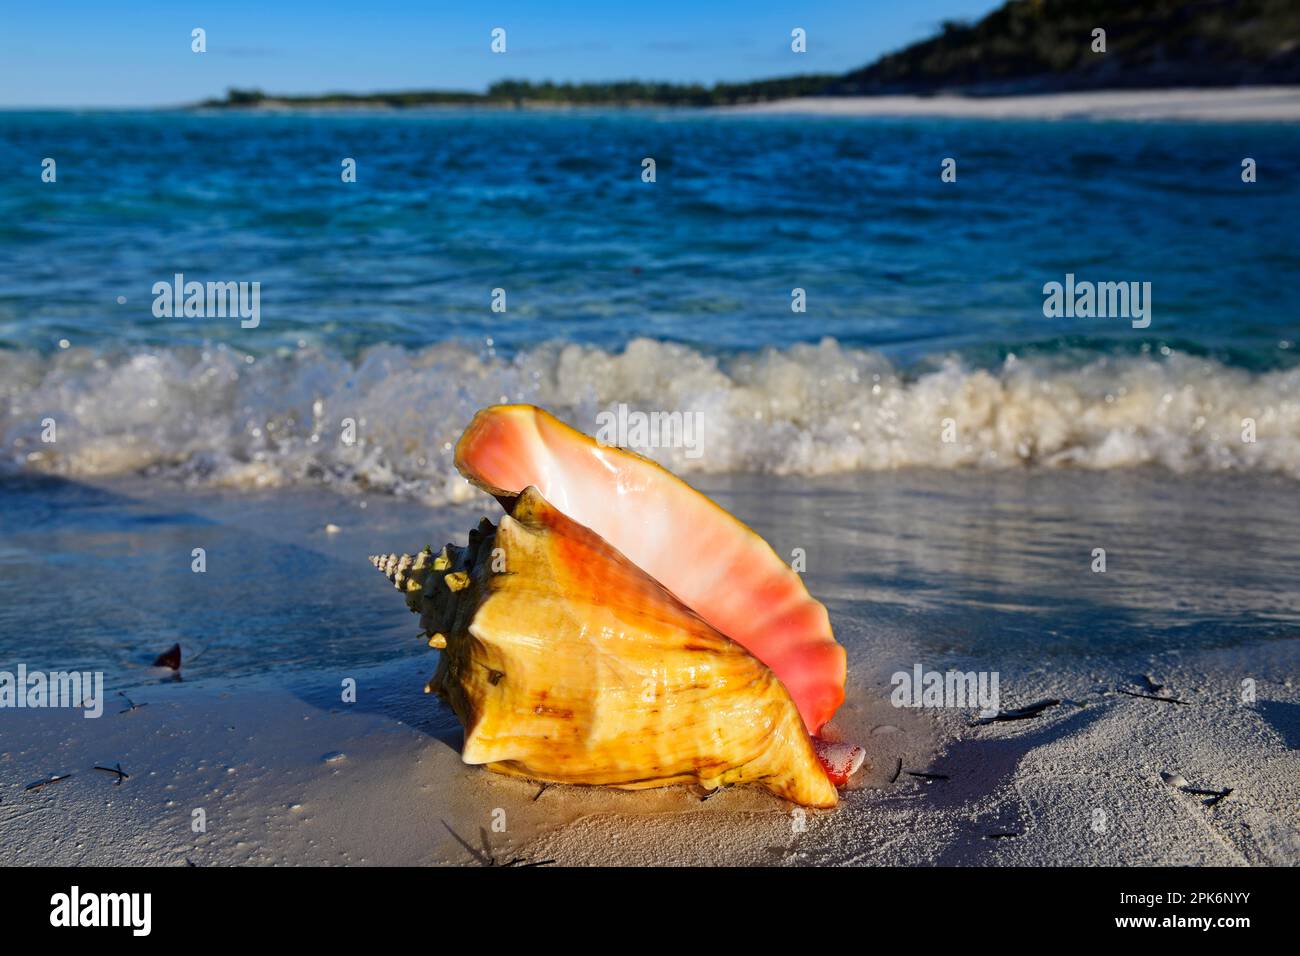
[[407, 572]]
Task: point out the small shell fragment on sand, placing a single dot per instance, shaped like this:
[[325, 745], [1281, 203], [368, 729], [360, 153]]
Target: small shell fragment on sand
[[170, 658], [1179, 782]]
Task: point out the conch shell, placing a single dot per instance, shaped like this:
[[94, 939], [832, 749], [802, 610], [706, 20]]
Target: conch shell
[[566, 662], [728, 575]]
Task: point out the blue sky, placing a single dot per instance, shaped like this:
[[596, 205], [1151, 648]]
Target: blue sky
[[101, 53]]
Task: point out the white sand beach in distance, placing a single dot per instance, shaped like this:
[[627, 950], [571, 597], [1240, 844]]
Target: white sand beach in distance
[[1245, 104]]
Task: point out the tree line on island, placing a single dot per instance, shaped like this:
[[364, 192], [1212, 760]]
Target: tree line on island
[[1024, 46]]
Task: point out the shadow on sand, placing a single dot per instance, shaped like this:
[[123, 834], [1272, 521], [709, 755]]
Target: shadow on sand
[[1283, 717]]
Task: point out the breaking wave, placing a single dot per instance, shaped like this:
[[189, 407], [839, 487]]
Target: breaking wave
[[221, 417]]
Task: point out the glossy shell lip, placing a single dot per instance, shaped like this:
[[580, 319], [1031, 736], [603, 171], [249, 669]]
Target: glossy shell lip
[[707, 558]]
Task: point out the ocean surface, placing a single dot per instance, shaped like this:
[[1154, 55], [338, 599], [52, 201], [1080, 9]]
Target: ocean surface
[[923, 359]]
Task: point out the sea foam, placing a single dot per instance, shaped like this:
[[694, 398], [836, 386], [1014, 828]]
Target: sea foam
[[217, 416]]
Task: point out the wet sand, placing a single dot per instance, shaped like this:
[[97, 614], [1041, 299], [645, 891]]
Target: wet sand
[[985, 572]]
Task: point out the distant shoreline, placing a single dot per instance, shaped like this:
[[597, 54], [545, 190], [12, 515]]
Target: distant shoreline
[[1238, 104]]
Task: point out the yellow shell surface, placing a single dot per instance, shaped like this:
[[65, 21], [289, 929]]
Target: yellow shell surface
[[567, 663]]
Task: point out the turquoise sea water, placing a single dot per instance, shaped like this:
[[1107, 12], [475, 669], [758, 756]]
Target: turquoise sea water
[[551, 207], [924, 299], [823, 428]]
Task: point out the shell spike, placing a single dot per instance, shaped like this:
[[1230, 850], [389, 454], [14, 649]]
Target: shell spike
[[407, 572]]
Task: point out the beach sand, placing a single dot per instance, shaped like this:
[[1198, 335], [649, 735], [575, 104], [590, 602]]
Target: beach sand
[[959, 569], [291, 776], [1246, 104]]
